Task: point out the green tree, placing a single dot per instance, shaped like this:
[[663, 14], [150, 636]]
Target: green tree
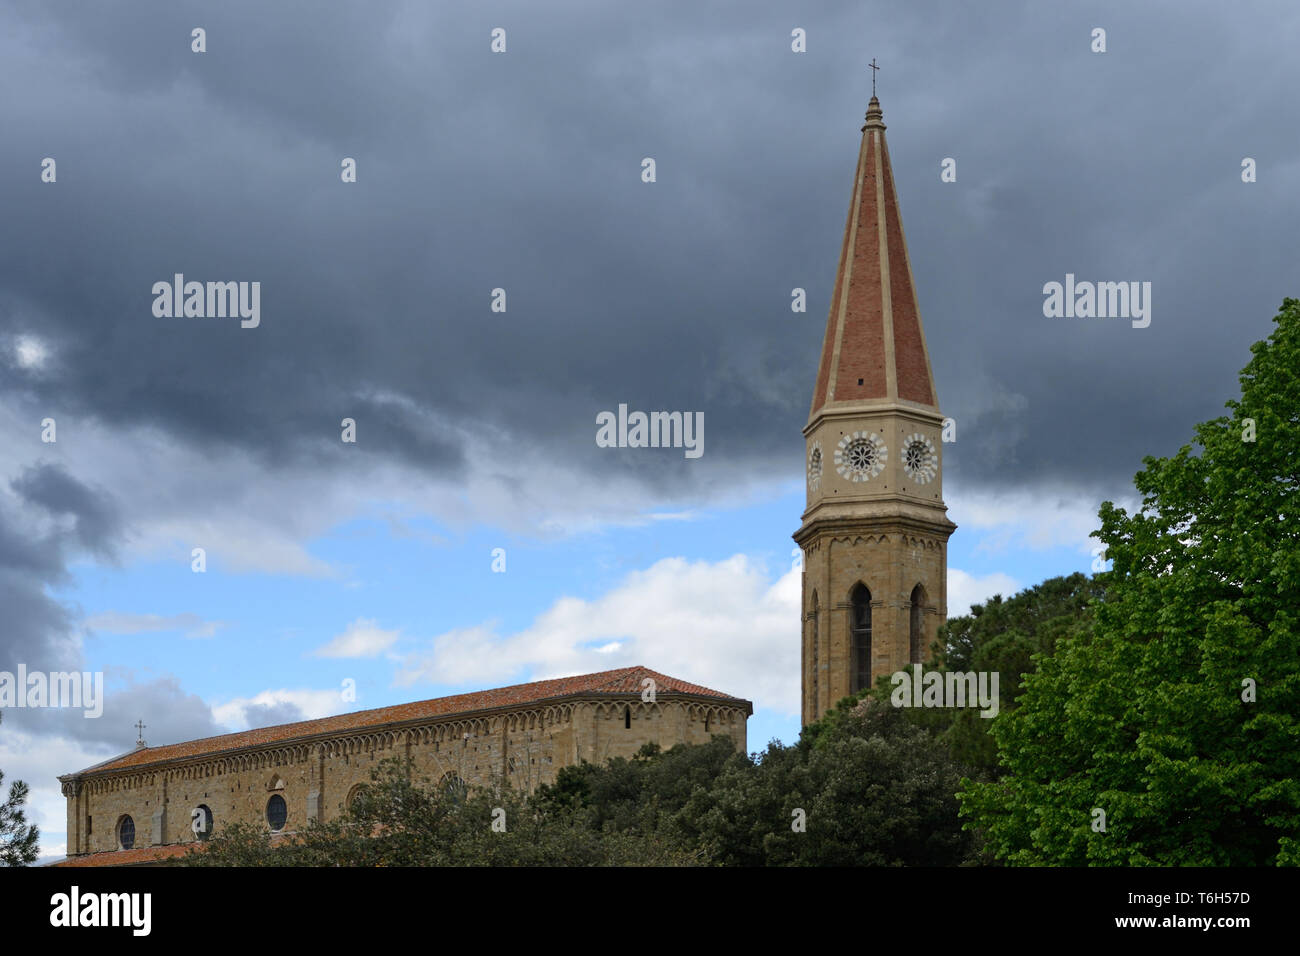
[[1149, 716], [18, 838], [402, 821], [1004, 637], [641, 795], [868, 787]]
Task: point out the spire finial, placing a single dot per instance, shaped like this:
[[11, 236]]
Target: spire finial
[[139, 733], [874, 68]]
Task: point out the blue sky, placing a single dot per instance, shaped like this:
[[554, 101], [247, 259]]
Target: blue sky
[[417, 580]]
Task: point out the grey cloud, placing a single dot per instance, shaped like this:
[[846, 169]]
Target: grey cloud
[[169, 713], [269, 715], [120, 622], [51, 488], [522, 171], [39, 630]]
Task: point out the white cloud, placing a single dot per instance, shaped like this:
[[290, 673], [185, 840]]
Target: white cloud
[[30, 352], [249, 518], [1025, 521], [363, 638], [51, 854], [967, 589], [725, 625], [38, 760], [120, 622], [282, 706]]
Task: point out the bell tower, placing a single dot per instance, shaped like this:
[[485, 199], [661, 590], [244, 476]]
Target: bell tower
[[875, 531]]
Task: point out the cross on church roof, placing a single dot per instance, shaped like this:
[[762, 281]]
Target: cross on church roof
[[139, 736], [874, 68]]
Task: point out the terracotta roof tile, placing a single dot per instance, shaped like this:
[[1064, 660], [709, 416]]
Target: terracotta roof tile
[[142, 855], [625, 680], [874, 301], [135, 857]]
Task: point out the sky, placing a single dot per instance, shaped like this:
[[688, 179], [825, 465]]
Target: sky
[[370, 564]]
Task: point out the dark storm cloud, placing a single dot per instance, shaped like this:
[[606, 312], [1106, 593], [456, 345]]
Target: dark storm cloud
[[95, 519], [36, 629], [522, 171], [35, 546], [50, 520]]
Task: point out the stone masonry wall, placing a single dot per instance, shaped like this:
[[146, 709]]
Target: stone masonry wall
[[525, 747]]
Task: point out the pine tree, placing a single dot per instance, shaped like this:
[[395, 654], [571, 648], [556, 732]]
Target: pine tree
[[18, 838]]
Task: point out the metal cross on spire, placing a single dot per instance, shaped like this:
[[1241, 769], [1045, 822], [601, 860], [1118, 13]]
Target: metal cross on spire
[[139, 728], [874, 68]]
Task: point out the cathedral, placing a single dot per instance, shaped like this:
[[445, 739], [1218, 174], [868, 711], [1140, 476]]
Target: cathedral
[[874, 537], [148, 804]]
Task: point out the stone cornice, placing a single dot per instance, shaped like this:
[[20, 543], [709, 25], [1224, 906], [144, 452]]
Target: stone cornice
[[309, 741], [917, 519], [880, 407]]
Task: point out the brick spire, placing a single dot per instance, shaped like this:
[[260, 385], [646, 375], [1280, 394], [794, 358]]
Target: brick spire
[[874, 348]]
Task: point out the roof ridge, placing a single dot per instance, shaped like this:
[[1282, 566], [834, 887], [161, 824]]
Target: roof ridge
[[102, 763], [433, 708]]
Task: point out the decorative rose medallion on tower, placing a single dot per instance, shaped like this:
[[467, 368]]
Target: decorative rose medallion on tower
[[919, 460], [814, 467], [860, 456]]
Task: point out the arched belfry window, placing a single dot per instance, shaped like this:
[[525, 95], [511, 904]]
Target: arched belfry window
[[860, 622], [917, 628], [813, 615]]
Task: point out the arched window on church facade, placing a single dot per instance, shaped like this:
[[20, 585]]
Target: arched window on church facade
[[126, 833], [454, 787], [277, 812], [352, 796], [917, 628], [860, 623]]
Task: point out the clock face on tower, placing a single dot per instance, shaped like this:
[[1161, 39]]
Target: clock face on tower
[[814, 467], [919, 459], [860, 456]]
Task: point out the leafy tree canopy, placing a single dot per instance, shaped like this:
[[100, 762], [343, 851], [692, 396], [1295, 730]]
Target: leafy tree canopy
[[868, 787], [1176, 715]]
